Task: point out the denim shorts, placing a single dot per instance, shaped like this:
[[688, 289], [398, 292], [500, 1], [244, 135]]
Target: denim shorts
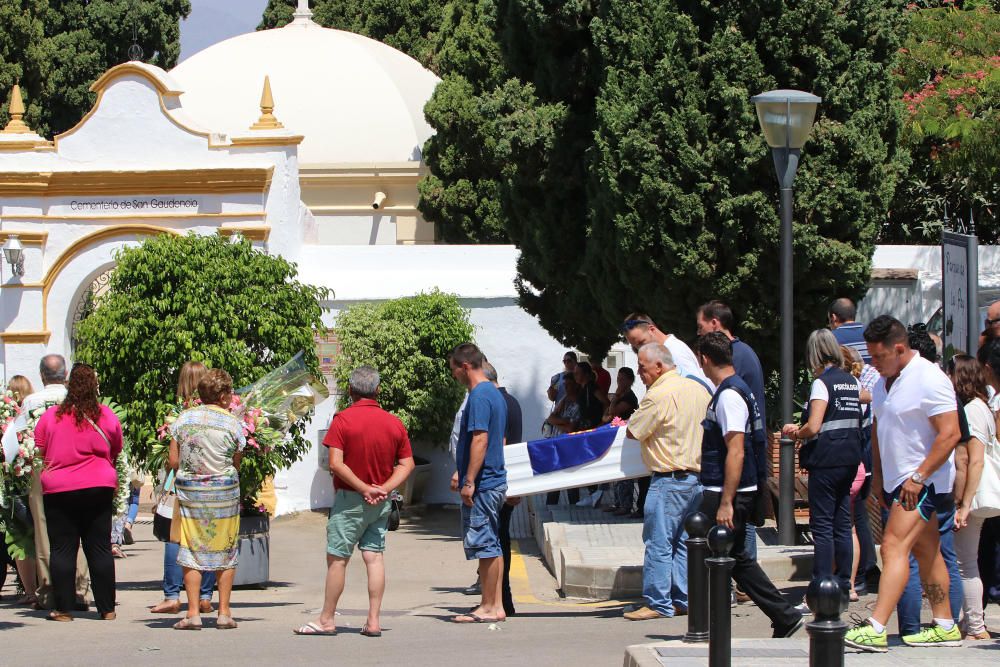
[[481, 524], [925, 501]]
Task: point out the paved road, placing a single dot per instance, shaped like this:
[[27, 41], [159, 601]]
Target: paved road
[[426, 573]]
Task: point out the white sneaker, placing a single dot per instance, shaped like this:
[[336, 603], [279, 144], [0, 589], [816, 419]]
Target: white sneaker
[[803, 609]]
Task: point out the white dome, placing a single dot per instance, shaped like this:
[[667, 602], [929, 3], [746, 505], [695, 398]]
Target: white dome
[[353, 98]]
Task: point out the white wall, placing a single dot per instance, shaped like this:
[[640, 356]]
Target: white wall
[[525, 357]]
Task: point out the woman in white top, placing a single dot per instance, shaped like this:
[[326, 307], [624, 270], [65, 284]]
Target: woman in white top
[[978, 497]]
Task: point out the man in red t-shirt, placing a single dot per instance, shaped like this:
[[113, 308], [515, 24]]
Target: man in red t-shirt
[[370, 456]]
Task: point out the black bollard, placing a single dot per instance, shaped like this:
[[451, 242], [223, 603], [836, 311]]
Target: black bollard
[[697, 525], [720, 541], [826, 631]]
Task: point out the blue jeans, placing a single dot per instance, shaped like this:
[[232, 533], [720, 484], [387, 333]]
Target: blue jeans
[[173, 575], [830, 522], [751, 543], [664, 568], [133, 506], [908, 608]]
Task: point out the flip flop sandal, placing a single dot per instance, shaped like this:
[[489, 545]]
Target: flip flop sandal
[[59, 616], [474, 618], [225, 623], [314, 629], [472, 609], [369, 633], [187, 624]]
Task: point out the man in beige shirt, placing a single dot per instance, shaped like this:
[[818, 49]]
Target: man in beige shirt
[[668, 426]]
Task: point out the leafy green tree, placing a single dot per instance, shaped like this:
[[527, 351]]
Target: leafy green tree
[[407, 341], [949, 80], [179, 298], [58, 48]]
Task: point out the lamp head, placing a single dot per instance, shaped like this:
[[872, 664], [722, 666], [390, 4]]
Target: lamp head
[[14, 253], [786, 116]]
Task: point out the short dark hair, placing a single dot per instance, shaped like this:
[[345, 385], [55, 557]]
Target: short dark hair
[[467, 353], [214, 384], [887, 330], [716, 310], [628, 373], [717, 348], [922, 342], [586, 369], [637, 319], [844, 309], [572, 355], [989, 355]]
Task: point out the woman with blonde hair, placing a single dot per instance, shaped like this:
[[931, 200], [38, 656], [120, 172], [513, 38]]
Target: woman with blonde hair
[[206, 449], [832, 452], [173, 576], [20, 387]]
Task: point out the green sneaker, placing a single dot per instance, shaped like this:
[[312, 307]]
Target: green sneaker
[[935, 635], [864, 637]]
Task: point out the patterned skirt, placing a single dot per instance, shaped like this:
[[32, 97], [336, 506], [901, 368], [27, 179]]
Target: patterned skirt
[[210, 521]]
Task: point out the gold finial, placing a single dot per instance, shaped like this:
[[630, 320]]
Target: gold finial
[[267, 121], [16, 110]]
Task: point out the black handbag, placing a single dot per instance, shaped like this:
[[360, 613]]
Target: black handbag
[[22, 512], [394, 515], [161, 527]]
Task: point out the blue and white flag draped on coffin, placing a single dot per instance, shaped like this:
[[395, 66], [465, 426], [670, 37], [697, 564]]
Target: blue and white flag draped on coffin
[[570, 461]]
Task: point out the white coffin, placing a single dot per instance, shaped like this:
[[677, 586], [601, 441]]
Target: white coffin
[[622, 461]]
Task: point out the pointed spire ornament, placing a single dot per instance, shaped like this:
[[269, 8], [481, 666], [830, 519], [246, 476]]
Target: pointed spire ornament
[[16, 110], [302, 13], [267, 121]]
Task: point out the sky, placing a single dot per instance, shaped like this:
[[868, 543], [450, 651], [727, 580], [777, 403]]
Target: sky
[[212, 21]]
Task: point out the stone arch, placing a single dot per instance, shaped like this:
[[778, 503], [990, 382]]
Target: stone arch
[[74, 272]]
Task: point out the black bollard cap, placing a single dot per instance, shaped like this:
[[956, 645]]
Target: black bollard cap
[[720, 540], [697, 524], [824, 597]]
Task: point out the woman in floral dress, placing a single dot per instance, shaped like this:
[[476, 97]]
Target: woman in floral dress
[[206, 449]]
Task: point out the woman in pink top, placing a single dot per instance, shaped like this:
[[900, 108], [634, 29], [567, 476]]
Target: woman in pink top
[[79, 441]]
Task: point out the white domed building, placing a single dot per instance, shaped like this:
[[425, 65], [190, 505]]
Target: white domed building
[[359, 106]]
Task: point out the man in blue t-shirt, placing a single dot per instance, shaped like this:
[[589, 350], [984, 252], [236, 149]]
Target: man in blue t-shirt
[[841, 314], [482, 478]]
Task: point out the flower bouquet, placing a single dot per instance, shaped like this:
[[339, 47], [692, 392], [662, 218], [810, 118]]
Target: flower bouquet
[[15, 478], [268, 409]]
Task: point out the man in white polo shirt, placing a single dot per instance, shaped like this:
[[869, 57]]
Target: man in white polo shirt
[[913, 440], [640, 329]]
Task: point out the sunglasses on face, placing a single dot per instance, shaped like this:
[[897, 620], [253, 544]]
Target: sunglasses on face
[[628, 325], [990, 322]]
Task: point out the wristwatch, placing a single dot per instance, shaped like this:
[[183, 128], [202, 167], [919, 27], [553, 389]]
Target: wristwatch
[[917, 478]]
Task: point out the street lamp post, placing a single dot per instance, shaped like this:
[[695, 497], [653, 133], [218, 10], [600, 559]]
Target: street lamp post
[[786, 117]]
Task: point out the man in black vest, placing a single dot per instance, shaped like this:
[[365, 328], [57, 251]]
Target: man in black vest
[[733, 468]]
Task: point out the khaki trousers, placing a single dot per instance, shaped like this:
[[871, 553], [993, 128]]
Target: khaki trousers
[[46, 599]]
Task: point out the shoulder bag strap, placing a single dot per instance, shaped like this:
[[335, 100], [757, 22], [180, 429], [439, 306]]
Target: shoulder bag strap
[[99, 430]]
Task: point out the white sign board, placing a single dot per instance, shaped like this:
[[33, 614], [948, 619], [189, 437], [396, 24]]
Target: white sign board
[[959, 287]]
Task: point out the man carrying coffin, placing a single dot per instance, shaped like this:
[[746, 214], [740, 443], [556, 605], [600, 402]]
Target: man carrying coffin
[[667, 425], [733, 469]]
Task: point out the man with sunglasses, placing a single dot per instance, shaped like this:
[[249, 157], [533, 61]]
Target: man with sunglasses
[[557, 385], [991, 330], [639, 329]]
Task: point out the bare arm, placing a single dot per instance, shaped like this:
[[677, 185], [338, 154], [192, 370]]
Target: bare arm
[[173, 456], [976, 459], [817, 410], [877, 466], [944, 444], [731, 478], [477, 454], [399, 474], [961, 469]]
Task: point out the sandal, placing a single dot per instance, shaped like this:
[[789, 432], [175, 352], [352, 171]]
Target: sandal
[[225, 623], [314, 629], [117, 552], [473, 618], [60, 616], [187, 623], [370, 633]]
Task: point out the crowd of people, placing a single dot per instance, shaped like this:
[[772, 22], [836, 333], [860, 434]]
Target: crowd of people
[[882, 418]]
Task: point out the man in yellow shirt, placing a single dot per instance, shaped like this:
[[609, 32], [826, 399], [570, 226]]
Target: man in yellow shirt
[[668, 426]]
